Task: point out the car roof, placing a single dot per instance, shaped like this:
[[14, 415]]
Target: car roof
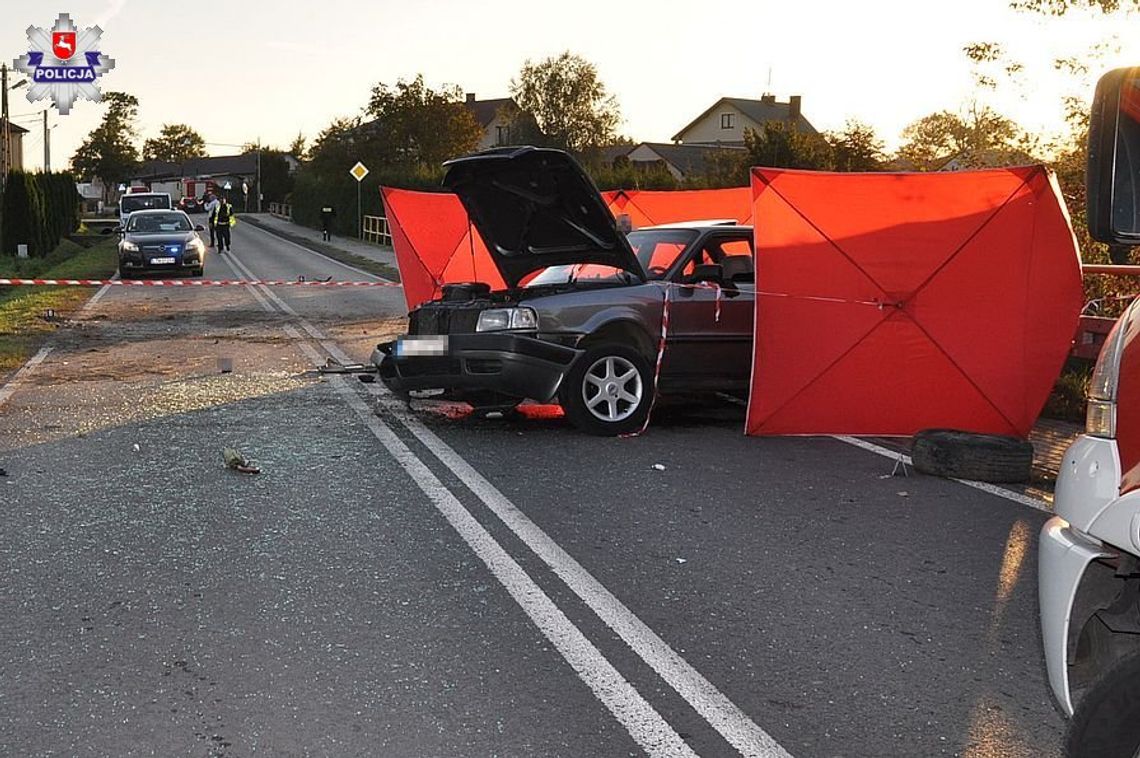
[[700, 226]]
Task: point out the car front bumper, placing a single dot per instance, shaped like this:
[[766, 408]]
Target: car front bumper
[[1065, 554], [515, 365], [181, 263]]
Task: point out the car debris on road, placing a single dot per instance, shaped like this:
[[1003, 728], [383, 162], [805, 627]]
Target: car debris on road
[[238, 462]]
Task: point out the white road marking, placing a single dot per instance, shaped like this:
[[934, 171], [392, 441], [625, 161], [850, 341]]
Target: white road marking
[[13, 384], [720, 712], [322, 256], [894, 455], [647, 727], [992, 489]]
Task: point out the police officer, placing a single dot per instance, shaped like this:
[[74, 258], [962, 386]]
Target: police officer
[[211, 212], [327, 214], [223, 220]]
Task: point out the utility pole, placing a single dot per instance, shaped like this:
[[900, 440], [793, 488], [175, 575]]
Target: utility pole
[[47, 145], [4, 136], [258, 175]]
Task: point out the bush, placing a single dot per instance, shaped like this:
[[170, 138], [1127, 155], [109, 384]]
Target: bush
[[1067, 400], [37, 210]]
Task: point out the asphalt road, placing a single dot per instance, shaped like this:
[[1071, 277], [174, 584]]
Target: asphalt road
[[425, 583]]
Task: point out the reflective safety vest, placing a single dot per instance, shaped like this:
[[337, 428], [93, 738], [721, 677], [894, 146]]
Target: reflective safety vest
[[224, 215]]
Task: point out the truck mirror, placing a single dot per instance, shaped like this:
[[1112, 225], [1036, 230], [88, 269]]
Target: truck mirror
[[1113, 178]]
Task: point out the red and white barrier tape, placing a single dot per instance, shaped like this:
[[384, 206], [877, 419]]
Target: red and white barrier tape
[[187, 283]]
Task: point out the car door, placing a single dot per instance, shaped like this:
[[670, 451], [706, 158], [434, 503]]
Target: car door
[[709, 342]]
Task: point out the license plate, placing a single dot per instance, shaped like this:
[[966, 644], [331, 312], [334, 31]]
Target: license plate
[[165, 259], [414, 347]]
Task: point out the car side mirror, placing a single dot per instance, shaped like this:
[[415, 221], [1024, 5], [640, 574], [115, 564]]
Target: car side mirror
[[117, 230], [1113, 178], [707, 272], [199, 228]]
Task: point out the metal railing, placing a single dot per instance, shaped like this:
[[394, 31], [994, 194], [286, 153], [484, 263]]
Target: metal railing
[[376, 230], [1093, 330], [281, 210]]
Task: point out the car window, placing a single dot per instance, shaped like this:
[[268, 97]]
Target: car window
[[156, 223], [715, 250], [132, 203], [659, 249]]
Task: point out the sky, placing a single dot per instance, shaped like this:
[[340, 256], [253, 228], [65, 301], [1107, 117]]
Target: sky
[[246, 70]]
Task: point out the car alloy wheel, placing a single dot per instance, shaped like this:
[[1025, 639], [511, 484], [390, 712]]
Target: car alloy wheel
[[608, 390], [612, 389]]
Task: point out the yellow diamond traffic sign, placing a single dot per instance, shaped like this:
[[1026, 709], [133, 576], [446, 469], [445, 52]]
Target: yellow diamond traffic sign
[[359, 171]]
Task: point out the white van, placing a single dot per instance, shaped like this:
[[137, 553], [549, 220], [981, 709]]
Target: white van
[[142, 201]]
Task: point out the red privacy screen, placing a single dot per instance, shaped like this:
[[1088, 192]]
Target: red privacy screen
[[435, 243], [891, 303]]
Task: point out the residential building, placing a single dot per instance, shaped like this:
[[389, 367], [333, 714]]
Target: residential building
[[726, 120], [165, 176], [490, 115], [15, 146], [682, 161]]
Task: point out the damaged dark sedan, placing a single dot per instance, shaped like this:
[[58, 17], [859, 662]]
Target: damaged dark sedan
[[581, 320]]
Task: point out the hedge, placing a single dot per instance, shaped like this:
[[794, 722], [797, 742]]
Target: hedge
[[37, 210]]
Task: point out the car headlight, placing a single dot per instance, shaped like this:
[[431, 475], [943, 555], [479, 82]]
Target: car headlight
[[501, 319], [129, 247], [195, 246]]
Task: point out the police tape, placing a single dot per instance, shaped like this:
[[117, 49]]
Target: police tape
[[188, 283]]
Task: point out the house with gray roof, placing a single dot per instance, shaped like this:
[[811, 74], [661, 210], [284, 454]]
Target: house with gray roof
[[490, 115], [726, 120]]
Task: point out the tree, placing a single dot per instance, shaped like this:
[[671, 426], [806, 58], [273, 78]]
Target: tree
[[980, 137], [1061, 7], [413, 124], [297, 147], [779, 145], [335, 148], [175, 143], [109, 151], [568, 102], [856, 148]]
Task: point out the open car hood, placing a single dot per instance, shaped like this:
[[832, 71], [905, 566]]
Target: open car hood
[[536, 207]]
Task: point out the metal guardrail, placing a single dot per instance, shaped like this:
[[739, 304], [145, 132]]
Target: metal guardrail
[[1092, 330], [376, 230], [281, 210]]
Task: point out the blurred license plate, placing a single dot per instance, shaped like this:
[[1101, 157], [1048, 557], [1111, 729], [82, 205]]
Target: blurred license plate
[[162, 260], [411, 347]]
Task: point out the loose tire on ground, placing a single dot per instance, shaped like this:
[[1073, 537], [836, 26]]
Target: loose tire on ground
[[608, 380], [963, 455], [1106, 723]]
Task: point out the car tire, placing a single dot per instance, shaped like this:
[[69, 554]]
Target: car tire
[[964, 455], [608, 390], [1107, 719], [124, 274], [198, 272]]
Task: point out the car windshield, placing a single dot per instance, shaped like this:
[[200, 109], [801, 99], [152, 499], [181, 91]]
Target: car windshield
[[132, 203], [158, 223], [656, 249]]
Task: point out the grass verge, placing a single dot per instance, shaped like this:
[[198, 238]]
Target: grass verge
[[365, 264], [22, 326]]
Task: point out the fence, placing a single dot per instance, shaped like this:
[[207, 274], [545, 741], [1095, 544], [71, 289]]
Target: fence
[[281, 210], [376, 230], [1093, 329]]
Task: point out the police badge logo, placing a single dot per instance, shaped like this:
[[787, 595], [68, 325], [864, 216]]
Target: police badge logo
[[64, 63]]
